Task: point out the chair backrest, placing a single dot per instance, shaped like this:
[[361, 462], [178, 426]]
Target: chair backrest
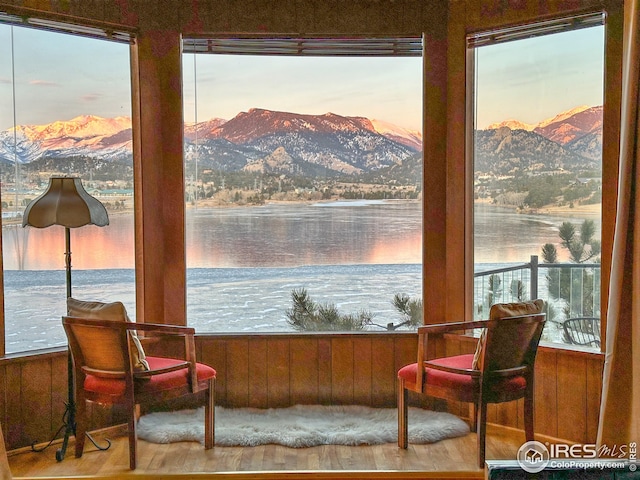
[[505, 310], [582, 331], [512, 342], [108, 311], [101, 345]]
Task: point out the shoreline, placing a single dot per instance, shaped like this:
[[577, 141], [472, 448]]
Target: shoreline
[[212, 203], [591, 209], [594, 209]]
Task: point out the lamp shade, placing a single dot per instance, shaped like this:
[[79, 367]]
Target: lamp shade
[[66, 203]]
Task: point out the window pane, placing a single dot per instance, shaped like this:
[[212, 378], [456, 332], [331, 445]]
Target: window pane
[[538, 176], [69, 99], [303, 176]]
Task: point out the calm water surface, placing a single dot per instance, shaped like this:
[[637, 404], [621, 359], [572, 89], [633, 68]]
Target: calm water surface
[[244, 262]]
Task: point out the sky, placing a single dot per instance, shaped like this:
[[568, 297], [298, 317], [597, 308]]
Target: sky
[[381, 88], [58, 77], [544, 76]]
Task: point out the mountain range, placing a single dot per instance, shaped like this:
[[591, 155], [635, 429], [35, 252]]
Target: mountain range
[[571, 140], [268, 141]]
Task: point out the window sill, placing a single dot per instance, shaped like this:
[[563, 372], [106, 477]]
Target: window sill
[[227, 335], [544, 346], [31, 354]]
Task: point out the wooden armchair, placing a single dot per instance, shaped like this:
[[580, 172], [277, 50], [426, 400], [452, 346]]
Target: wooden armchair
[[108, 370], [500, 371]]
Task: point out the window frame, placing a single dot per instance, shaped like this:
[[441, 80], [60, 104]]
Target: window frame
[[310, 46], [89, 30], [611, 126], [444, 109]]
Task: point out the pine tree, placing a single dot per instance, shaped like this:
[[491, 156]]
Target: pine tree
[[308, 315], [562, 282]]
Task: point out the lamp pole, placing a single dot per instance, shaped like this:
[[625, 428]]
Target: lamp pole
[[67, 258], [66, 203], [70, 423]]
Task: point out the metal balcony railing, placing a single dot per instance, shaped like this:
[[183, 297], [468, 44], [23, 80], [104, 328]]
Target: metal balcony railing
[[570, 290]]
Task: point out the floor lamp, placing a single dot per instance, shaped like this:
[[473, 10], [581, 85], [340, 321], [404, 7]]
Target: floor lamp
[[66, 203]]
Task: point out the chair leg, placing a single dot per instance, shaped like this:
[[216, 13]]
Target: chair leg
[[482, 431], [81, 423], [133, 437], [528, 411], [209, 415], [403, 415], [473, 409]]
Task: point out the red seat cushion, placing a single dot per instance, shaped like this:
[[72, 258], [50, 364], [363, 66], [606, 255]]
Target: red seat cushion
[[156, 383], [463, 384]]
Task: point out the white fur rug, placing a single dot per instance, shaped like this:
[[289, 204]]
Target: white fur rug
[[300, 426]]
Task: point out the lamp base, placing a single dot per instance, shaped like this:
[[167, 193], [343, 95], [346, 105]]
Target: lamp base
[[69, 428], [68, 421]]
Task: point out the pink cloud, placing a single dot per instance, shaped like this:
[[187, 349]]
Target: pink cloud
[[44, 83]]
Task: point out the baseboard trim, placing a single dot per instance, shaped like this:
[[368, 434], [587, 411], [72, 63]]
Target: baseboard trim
[[539, 437]]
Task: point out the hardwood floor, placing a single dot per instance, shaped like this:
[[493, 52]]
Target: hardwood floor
[[190, 460]]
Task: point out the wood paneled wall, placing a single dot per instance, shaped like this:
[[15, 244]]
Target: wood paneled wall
[[267, 371], [567, 392], [277, 370], [33, 396], [283, 370]]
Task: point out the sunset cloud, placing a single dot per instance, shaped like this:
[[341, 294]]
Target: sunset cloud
[[44, 83], [90, 97]]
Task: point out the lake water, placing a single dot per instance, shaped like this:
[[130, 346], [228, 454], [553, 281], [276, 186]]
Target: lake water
[[244, 262]]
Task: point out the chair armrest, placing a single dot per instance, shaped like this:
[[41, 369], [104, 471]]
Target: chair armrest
[[103, 373], [157, 371], [189, 345], [510, 372], [164, 329], [507, 372], [157, 331], [441, 328], [446, 368]]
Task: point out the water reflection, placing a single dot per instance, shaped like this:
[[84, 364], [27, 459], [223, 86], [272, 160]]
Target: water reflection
[[289, 235], [502, 235], [354, 254], [92, 247], [295, 235]]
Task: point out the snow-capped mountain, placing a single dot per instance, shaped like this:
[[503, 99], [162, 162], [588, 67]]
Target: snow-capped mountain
[[562, 116], [571, 139], [332, 142], [564, 128], [311, 145], [410, 138], [253, 140], [15, 147], [193, 131], [86, 135], [83, 127], [247, 127], [512, 124], [518, 152], [567, 129]]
